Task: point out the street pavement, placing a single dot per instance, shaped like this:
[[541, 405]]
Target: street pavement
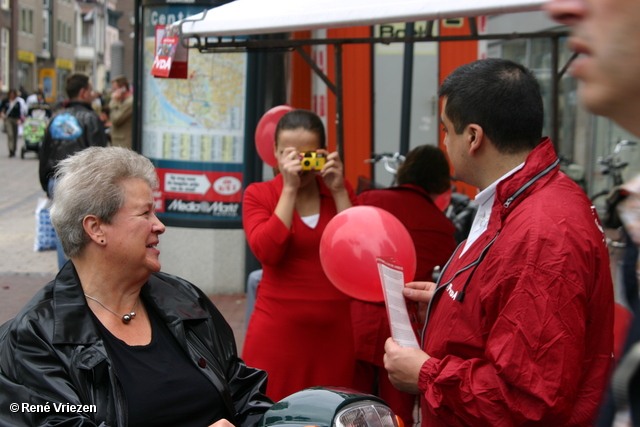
[[22, 270]]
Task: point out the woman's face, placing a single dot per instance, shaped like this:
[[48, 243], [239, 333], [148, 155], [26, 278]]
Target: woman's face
[[134, 233], [302, 140]]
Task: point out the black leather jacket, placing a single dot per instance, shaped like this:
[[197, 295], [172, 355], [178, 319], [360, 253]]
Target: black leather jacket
[[52, 353], [55, 149]]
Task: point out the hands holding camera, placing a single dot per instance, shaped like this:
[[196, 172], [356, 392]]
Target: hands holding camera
[[292, 164]]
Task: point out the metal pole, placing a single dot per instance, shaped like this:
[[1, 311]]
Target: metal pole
[[339, 106], [407, 86], [137, 77], [555, 81], [95, 47]]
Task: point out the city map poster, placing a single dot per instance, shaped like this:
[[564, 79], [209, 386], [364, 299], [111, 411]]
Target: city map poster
[[212, 194], [171, 58]]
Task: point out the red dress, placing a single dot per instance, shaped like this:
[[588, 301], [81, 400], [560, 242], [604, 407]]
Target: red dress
[[432, 234], [300, 331]]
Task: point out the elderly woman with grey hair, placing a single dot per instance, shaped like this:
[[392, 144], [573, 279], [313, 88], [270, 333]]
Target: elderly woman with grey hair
[[112, 341]]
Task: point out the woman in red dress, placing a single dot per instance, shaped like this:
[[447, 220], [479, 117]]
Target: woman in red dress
[[300, 331]]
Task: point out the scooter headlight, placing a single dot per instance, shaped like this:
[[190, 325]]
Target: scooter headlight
[[365, 413]]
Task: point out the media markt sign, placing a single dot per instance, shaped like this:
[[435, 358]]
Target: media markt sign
[[203, 208], [203, 193]]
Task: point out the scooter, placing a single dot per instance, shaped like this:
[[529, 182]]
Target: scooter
[[330, 407]]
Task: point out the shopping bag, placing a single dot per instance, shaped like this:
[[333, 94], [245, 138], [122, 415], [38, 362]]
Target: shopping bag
[[46, 238], [20, 130]]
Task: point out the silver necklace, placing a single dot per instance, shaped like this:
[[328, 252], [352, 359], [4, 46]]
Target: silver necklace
[[126, 318]]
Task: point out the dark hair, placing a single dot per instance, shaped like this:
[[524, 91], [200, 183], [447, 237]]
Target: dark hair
[[304, 119], [121, 81], [425, 166], [500, 96], [76, 82]]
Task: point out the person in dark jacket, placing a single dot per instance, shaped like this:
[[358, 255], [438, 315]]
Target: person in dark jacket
[[112, 341], [13, 110], [519, 329], [74, 128]]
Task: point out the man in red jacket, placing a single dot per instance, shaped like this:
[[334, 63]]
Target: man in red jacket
[[519, 329]]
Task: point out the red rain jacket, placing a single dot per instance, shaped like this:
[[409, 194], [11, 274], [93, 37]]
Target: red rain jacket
[[520, 329]]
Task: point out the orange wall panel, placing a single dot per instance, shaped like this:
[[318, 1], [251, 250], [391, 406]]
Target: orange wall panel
[[357, 102], [300, 90]]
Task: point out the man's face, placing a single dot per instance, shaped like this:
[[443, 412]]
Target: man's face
[[455, 145], [607, 35], [86, 94]]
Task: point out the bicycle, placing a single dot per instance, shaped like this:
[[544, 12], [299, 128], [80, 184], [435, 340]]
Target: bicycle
[[613, 166]]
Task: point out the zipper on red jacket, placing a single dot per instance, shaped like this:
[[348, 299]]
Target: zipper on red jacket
[[477, 261], [460, 297], [528, 184]]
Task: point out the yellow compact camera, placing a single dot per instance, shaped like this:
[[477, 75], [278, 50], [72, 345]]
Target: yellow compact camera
[[312, 160]]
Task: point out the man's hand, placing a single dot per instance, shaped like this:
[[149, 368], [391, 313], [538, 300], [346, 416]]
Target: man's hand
[[403, 365], [420, 292]]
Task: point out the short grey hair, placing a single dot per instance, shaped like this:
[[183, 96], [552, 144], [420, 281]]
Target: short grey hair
[[88, 183]]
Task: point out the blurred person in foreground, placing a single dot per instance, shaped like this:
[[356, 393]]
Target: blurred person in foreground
[[421, 178], [111, 337], [606, 34], [520, 327]]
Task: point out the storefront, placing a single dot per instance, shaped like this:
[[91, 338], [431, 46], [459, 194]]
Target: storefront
[[26, 72], [64, 67]]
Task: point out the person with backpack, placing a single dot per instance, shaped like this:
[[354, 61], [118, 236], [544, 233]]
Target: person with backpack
[[72, 129]]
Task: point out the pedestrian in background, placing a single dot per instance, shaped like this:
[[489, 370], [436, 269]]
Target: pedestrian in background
[[13, 110], [72, 129], [422, 177], [121, 113]]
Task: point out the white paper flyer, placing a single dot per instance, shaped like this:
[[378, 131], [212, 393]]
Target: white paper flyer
[[392, 279]]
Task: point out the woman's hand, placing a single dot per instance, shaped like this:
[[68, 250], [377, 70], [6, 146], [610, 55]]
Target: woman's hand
[[333, 172], [290, 168]]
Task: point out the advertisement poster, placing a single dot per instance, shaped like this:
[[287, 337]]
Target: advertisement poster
[[206, 195], [172, 58], [193, 128]]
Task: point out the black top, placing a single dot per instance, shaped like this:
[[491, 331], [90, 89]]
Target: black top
[[162, 386], [14, 112]]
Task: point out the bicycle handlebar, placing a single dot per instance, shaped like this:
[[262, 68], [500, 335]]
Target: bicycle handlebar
[[387, 158]]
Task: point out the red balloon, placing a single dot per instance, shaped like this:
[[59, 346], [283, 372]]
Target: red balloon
[[265, 134], [353, 240], [443, 200]]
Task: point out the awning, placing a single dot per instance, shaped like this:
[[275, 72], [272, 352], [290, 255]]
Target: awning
[[245, 17]]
